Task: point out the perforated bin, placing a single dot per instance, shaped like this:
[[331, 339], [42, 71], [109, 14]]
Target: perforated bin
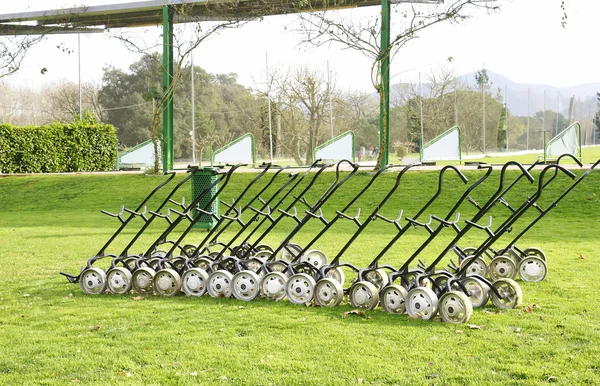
[[203, 178]]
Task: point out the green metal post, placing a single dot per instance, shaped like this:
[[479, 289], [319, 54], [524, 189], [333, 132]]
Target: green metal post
[[384, 108], [167, 140]]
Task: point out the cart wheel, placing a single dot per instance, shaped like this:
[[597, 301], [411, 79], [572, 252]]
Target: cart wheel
[[141, 280], [193, 282], [533, 251], [440, 282], [255, 264], [469, 251], [263, 255], [272, 286], [328, 293], [393, 299], [219, 284], [478, 291], [533, 269], [378, 277], [214, 254], [92, 281], [364, 294], [300, 288], [512, 296], [314, 257], [290, 255], [502, 267], [203, 263], [167, 282], [476, 266], [245, 285], [422, 303], [189, 249], [264, 247], [336, 274], [118, 280], [159, 253], [455, 307]]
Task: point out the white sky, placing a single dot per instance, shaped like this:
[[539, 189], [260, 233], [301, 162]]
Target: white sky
[[524, 42]]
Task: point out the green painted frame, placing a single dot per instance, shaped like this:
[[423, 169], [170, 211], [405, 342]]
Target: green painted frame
[[550, 142], [442, 135], [227, 146], [334, 139]]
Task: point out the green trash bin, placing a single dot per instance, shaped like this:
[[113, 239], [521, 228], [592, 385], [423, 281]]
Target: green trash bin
[[204, 178]]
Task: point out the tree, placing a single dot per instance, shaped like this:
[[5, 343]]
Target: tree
[[13, 50], [320, 28]]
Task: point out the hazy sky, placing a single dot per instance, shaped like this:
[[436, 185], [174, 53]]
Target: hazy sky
[[524, 41]]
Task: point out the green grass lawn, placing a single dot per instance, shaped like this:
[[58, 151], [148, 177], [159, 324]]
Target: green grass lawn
[[51, 333]]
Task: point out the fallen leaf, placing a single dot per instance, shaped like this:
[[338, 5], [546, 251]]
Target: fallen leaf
[[26, 295], [459, 331], [581, 257], [223, 377], [122, 373], [75, 380], [354, 312], [430, 376], [194, 373], [360, 381], [517, 330], [69, 296], [474, 327], [136, 298], [95, 328], [528, 308]]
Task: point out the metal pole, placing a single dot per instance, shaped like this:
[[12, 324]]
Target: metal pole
[[455, 106], [544, 124], [421, 113], [557, 102], [483, 123], [167, 140], [384, 92], [79, 64], [528, 113], [506, 114], [269, 103], [192, 76], [330, 104]]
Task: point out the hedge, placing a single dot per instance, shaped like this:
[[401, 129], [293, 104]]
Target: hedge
[[57, 148]]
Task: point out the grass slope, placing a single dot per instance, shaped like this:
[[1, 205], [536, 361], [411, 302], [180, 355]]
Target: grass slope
[[50, 333]]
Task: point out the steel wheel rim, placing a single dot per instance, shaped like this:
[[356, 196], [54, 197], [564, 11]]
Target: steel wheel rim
[[92, 281], [142, 280], [455, 307], [167, 282], [272, 286], [118, 280], [364, 294], [300, 288], [336, 274], [378, 278], [532, 269], [502, 267], [193, 282], [478, 292], [477, 267], [421, 303], [315, 257], [393, 299], [219, 284], [534, 251], [328, 293], [245, 285]]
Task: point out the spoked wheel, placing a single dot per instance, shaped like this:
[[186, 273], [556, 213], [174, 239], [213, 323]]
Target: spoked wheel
[[393, 299], [421, 303], [203, 263], [532, 269], [455, 307], [118, 280], [159, 253], [92, 281], [263, 254], [512, 296], [290, 253], [278, 266], [336, 274], [378, 277], [502, 267], [193, 282], [476, 266], [189, 249], [468, 251], [142, 280], [272, 286], [219, 283], [328, 293], [533, 251], [264, 247], [300, 288], [245, 285], [167, 282], [478, 292], [364, 294], [314, 257]]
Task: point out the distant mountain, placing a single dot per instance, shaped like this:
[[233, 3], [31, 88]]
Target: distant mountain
[[585, 95], [517, 94]]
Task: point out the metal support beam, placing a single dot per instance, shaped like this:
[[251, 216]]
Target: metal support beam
[[384, 107], [167, 140]]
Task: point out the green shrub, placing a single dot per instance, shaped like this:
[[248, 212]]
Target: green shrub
[[57, 147], [401, 152]]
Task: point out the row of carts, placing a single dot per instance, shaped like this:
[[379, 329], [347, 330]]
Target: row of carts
[[232, 259]]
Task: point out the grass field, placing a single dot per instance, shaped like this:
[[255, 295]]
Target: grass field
[[51, 333]]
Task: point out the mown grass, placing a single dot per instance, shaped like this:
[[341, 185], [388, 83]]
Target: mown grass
[[50, 333]]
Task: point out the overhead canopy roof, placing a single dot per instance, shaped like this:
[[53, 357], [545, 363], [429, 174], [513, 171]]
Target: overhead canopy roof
[[148, 13]]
